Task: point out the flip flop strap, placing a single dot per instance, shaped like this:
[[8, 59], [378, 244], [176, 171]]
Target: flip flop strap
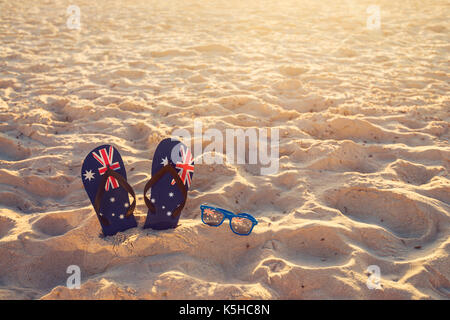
[[166, 169], [101, 191]]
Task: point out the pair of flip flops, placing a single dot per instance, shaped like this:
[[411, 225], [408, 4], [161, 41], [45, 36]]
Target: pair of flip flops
[[105, 181]]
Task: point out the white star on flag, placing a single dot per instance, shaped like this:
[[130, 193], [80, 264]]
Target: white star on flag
[[165, 161], [88, 175]]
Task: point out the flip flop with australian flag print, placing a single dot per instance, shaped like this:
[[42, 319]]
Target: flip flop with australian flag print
[[105, 181], [172, 171]]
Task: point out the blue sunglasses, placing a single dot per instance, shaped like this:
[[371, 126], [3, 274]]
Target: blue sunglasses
[[241, 223]]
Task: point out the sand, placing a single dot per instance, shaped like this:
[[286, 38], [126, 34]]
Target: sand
[[363, 117]]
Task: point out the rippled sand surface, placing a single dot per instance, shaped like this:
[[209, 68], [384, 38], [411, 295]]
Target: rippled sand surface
[[363, 117]]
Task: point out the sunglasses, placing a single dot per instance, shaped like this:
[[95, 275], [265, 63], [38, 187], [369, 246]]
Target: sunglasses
[[241, 223]]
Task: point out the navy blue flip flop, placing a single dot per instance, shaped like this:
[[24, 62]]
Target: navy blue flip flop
[[105, 181], [172, 171]]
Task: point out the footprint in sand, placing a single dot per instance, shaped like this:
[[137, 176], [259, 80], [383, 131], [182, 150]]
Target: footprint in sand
[[392, 211], [213, 48], [6, 224], [413, 173], [310, 245], [12, 150], [56, 224], [129, 74], [293, 71]]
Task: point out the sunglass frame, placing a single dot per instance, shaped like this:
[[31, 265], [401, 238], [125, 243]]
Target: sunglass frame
[[230, 215]]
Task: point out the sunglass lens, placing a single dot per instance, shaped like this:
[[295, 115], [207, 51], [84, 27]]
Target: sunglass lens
[[241, 225], [212, 217]]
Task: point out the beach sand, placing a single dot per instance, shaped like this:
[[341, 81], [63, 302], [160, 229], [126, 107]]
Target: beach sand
[[363, 119]]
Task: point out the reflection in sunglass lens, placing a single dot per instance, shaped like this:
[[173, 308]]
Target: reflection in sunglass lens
[[212, 217], [241, 225]]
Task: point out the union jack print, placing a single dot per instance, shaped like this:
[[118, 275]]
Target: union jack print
[[105, 158], [186, 166]]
